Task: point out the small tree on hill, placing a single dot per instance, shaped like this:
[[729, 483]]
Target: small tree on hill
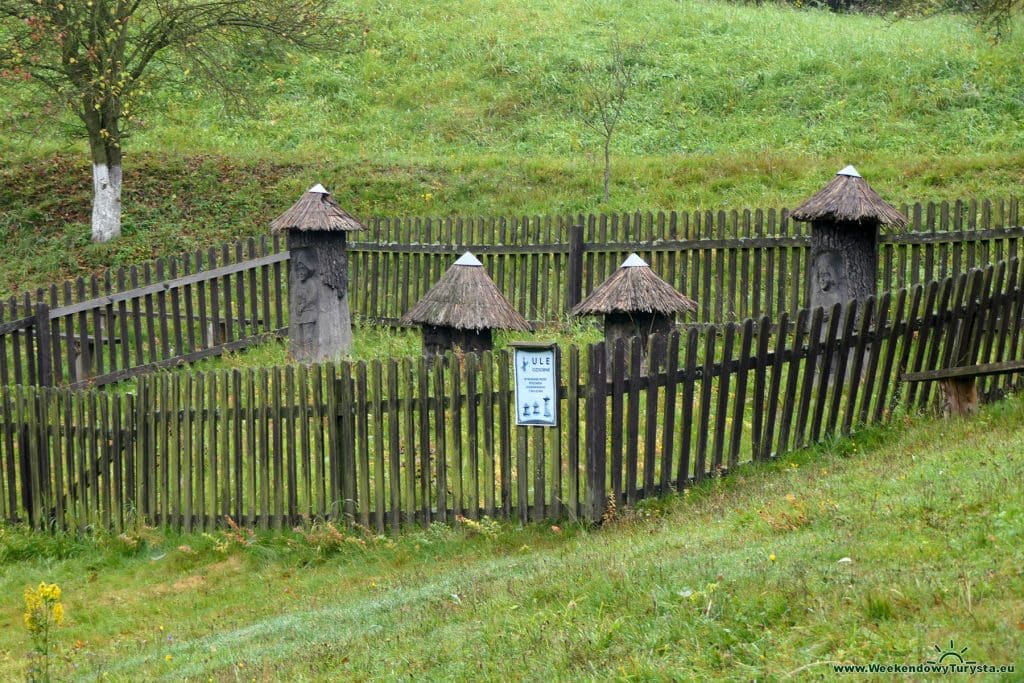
[[603, 99], [98, 57]]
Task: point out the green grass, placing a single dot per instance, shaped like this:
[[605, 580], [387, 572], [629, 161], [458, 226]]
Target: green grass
[[744, 578], [467, 107]]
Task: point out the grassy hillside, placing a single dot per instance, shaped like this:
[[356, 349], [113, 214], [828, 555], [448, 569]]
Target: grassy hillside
[[871, 550], [467, 107]]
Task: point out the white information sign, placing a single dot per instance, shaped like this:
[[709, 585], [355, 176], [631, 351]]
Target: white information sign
[[536, 372]]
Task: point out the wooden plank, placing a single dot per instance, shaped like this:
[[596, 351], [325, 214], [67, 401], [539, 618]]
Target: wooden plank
[[213, 333], [275, 457], [362, 409], [841, 361], [722, 410], [57, 420], [82, 464], [901, 335], [254, 307], [980, 370], [668, 433], [148, 416], [790, 399], [761, 365], [394, 450], [261, 411], [25, 403], [655, 360], [98, 329], [490, 448], [700, 464], [572, 431], [861, 363], [346, 432], [217, 441], [505, 412], [441, 454], [596, 444], [456, 470], [472, 486], [632, 433], [990, 313], [379, 468], [186, 463], [740, 402], [10, 471], [618, 372], [814, 345], [686, 421], [90, 451], [203, 413], [250, 463]]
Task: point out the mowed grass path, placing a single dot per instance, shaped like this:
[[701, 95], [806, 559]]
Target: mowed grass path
[[874, 549]]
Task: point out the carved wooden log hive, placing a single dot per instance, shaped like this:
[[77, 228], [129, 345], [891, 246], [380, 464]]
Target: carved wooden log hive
[[845, 216], [319, 321]]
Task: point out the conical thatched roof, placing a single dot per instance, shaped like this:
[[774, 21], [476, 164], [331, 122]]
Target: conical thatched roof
[[849, 198], [465, 298], [634, 288], [316, 210]]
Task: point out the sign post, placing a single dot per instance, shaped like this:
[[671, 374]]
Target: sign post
[[536, 378]]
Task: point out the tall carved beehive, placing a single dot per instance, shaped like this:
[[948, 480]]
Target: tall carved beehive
[[319, 322]]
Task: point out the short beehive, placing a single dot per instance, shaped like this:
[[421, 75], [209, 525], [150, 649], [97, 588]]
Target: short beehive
[[635, 302], [462, 309]]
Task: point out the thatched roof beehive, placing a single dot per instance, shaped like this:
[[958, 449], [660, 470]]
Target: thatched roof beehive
[[465, 298], [634, 288], [848, 198], [316, 210]]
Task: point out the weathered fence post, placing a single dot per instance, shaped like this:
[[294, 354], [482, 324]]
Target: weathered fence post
[[595, 446], [574, 275], [44, 347]]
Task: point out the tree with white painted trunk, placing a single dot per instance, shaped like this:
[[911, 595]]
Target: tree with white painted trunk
[[100, 58]]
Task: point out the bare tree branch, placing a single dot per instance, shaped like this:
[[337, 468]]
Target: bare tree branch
[[604, 100]]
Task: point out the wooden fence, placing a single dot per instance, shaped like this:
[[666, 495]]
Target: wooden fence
[[390, 442], [131, 321], [736, 265]]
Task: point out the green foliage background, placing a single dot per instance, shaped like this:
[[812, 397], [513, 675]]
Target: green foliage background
[[467, 107]]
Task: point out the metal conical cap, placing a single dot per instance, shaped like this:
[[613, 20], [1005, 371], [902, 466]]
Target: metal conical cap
[[849, 171], [468, 259], [634, 261]]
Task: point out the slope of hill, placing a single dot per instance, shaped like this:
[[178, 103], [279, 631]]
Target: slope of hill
[[876, 549], [467, 107]]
